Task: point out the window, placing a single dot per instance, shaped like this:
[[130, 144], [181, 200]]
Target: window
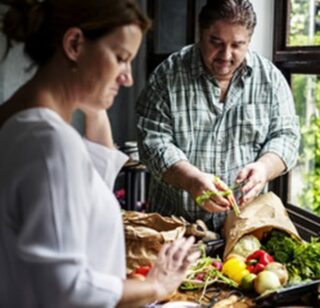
[[304, 23], [305, 179], [297, 55]]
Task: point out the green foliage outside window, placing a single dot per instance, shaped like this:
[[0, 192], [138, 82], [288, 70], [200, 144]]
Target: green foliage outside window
[[304, 28], [309, 197], [309, 157], [306, 91]]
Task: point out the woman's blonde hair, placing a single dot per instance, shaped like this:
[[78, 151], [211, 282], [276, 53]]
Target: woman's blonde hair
[[42, 24]]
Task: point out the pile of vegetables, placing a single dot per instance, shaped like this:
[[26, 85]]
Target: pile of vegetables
[[302, 259], [276, 261], [204, 272], [256, 271], [253, 270]]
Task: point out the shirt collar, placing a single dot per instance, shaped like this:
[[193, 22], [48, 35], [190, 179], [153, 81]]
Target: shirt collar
[[247, 65], [197, 68]]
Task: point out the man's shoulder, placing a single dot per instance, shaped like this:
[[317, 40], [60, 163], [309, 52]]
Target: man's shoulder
[[261, 65], [178, 60], [255, 58]]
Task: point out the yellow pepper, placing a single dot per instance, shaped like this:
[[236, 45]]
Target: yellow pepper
[[235, 269]]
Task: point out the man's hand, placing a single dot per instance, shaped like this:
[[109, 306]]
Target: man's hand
[[185, 176], [256, 175], [205, 182]]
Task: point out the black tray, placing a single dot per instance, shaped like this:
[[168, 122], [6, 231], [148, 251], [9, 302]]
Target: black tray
[[215, 248], [306, 293]]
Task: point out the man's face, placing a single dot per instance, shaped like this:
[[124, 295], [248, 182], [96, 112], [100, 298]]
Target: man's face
[[223, 48]]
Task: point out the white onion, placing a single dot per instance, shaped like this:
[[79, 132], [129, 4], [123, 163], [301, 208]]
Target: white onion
[[266, 281], [279, 269]]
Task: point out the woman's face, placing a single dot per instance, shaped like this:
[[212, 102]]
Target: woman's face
[[105, 66]]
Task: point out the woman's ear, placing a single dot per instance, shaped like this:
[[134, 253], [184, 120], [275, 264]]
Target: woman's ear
[[73, 41]]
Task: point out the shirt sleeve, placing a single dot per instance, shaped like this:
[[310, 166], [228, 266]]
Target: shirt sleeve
[[157, 148], [108, 162], [55, 192], [284, 132]]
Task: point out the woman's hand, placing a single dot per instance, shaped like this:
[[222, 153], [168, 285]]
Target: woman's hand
[[97, 127], [170, 267]]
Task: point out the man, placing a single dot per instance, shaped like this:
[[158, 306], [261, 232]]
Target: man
[[215, 108]]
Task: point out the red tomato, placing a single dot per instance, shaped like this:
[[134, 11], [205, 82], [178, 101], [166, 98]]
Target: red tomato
[[143, 270]]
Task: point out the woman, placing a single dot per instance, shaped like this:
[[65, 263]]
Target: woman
[[61, 234]]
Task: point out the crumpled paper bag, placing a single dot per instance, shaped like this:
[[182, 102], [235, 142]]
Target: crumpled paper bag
[[145, 233], [263, 214]]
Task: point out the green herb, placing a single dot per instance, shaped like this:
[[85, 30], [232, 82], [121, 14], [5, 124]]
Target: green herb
[[302, 259], [211, 275], [206, 195], [280, 245], [226, 193]]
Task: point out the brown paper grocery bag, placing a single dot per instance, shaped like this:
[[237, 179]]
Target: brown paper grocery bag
[[146, 233], [263, 214]]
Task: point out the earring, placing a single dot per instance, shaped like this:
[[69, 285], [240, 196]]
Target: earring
[[73, 66]]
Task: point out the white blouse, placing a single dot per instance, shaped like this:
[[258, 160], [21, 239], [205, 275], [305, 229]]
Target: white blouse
[[61, 232]]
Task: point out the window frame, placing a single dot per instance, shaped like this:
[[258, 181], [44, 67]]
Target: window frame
[[293, 60], [299, 59]]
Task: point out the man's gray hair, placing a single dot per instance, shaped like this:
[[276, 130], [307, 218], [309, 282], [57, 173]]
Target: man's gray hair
[[235, 11]]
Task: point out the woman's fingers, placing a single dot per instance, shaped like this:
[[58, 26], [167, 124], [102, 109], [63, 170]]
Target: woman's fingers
[[189, 259], [180, 250], [171, 265], [172, 256]]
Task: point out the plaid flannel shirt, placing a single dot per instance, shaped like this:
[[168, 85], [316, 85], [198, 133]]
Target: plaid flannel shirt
[[180, 117]]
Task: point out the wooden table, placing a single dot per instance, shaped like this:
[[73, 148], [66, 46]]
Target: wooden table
[[196, 296]]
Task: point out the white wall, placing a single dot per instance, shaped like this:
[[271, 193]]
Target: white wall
[[262, 40]]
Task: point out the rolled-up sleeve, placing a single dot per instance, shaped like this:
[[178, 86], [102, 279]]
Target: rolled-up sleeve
[[157, 147], [284, 132]]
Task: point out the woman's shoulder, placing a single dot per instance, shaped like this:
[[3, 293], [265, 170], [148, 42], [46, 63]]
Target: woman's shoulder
[[41, 128]]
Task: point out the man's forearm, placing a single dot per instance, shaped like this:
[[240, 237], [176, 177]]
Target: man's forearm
[[274, 165], [181, 175]]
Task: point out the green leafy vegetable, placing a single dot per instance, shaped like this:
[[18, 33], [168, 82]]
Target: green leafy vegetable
[[209, 273], [280, 245], [225, 192], [302, 259]]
